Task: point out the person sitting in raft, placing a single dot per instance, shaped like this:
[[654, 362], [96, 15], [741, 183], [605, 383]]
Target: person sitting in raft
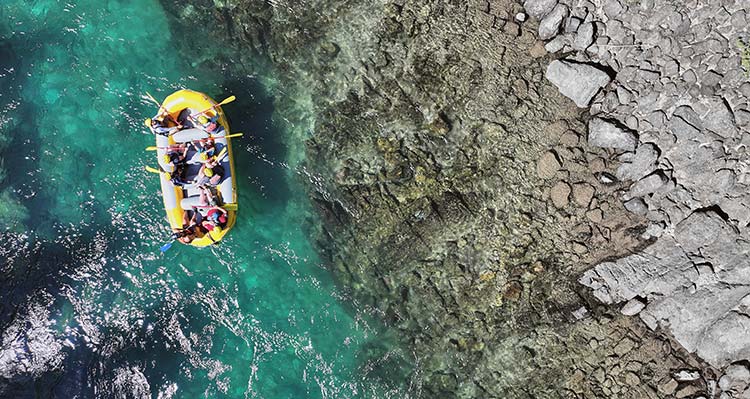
[[211, 172], [206, 145], [174, 164], [190, 228], [208, 125], [216, 219], [206, 197], [159, 125]]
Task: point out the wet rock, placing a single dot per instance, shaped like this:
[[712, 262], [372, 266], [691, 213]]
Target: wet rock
[[539, 8], [579, 82], [560, 194], [550, 25], [606, 134]]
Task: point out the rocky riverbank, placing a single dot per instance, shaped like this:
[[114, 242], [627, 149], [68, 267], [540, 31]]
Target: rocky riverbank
[[465, 195]]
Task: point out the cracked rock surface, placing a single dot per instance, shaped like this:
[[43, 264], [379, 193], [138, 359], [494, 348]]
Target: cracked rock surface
[[681, 85]]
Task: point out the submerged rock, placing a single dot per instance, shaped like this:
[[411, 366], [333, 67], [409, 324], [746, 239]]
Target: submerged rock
[[579, 82]]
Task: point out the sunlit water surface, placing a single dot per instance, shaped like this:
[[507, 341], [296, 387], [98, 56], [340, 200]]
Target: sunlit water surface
[[257, 316]]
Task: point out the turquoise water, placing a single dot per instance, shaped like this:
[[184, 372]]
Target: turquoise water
[[82, 225]]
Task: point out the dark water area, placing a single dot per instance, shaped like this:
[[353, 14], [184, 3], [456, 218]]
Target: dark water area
[[88, 306]]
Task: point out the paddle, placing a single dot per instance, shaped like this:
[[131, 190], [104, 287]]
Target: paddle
[[166, 246], [228, 207], [223, 102], [154, 170], [154, 148], [161, 108]]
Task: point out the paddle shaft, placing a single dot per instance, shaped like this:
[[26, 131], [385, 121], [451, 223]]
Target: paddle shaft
[[161, 108], [154, 148], [225, 101]]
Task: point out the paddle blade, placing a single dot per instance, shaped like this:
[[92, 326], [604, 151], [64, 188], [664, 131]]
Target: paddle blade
[[228, 100], [230, 207], [152, 148], [166, 246], [152, 170]]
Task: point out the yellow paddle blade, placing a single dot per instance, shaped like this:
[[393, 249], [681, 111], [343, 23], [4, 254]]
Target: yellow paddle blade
[[153, 170], [228, 136], [152, 148], [221, 153], [227, 100], [230, 207]]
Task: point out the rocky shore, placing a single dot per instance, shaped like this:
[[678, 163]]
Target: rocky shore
[[474, 160]]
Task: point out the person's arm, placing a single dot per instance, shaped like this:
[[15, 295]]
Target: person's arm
[[220, 209]]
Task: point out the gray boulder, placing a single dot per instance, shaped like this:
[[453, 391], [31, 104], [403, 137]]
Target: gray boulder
[[584, 37], [607, 135], [539, 8], [696, 281], [718, 118], [579, 82], [643, 163], [550, 25], [647, 185]]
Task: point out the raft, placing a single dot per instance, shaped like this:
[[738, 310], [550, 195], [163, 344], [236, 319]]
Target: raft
[[178, 199]]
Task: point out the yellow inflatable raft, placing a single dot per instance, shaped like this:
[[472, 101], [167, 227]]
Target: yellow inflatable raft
[[185, 106]]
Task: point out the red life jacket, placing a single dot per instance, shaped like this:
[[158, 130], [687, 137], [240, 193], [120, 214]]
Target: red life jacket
[[221, 218]]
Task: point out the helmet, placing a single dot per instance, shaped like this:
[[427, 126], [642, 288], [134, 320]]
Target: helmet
[[202, 119], [208, 172], [217, 229], [147, 122], [166, 158], [204, 156]]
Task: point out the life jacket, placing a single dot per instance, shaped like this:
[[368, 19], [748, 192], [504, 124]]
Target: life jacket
[[216, 216]]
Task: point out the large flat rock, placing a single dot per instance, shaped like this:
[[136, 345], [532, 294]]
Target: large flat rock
[[579, 82], [697, 285]]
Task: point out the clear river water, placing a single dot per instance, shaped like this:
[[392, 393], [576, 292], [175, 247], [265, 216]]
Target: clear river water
[[89, 304]]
